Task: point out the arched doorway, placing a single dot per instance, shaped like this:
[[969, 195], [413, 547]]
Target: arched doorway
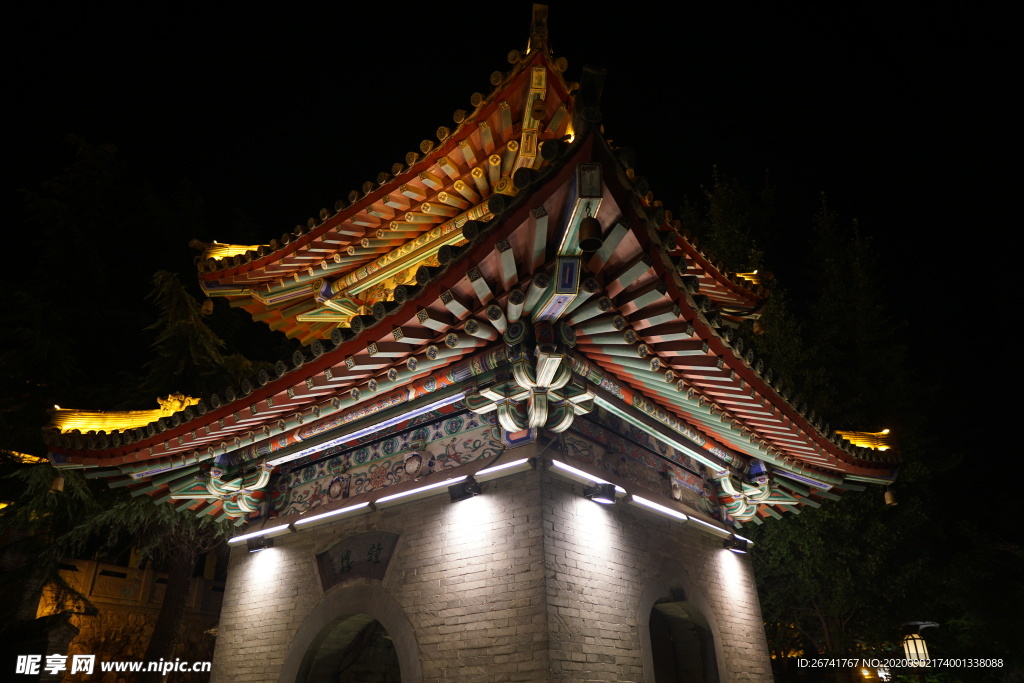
[[348, 627], [682, 645], [356, 649]]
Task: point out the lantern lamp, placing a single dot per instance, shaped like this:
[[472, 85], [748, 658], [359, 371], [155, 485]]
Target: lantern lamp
[[914, 649]]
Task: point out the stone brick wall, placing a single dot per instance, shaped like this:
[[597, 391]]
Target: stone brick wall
[[605, 568], [528, 582]]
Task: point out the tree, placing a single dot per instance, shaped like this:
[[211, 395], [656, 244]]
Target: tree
[[174, 539], [839, 580], [74, 332], [188, 355]]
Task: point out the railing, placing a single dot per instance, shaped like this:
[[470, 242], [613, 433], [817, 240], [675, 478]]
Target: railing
[[111, 584]]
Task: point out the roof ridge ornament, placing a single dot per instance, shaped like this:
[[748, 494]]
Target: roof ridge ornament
[[539, 30]]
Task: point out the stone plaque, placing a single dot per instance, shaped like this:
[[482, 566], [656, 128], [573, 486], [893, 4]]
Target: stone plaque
[[361, 556]]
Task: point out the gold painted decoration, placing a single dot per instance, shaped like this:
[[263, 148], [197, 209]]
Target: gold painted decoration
[[479, 176], [25, 458], [879, 441], [753, 277], [219, 250], [66, 419]]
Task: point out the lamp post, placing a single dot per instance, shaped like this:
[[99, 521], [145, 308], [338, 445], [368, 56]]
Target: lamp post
[[914, 647]]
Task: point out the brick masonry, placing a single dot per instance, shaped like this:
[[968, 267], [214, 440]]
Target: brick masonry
[[527, 582]]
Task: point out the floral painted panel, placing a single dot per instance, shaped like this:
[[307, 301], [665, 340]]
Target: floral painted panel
[[428, 448]]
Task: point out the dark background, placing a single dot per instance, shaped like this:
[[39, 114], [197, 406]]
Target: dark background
[[905, 120], [900, 117]]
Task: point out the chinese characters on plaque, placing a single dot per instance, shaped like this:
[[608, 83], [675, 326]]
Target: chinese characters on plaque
[[364, 555]]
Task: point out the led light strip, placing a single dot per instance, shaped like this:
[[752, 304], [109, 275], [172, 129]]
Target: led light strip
[[712, 528], [422, 489], [589, 477], [660, 509], [498, 468], [257, 534], [333, 513], [440, 403]]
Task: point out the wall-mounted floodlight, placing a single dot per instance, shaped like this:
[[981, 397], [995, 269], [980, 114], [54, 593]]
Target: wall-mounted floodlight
[[467, 488], [601, 493], [417, 493], [737, 544], [259, 543], [326, 516], [269, 533]]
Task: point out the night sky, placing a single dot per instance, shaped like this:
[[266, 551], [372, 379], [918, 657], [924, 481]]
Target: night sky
[[907, 121], [279, 113]]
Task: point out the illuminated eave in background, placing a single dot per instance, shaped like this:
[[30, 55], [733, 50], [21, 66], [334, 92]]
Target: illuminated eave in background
[[25, 458], [218, 250], [879, 441], [67, 420]]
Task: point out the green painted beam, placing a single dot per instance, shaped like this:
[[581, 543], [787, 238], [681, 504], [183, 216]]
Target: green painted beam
[[104, 472]]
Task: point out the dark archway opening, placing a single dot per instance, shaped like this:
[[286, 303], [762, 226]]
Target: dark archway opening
[[356, 649], [682, 646]]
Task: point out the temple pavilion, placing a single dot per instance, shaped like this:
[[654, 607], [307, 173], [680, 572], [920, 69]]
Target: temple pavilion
[[522, 434]]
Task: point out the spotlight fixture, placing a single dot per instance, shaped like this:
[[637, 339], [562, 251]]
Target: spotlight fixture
[[737, 544], [467, 488], [601, 493], [259, 543]]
